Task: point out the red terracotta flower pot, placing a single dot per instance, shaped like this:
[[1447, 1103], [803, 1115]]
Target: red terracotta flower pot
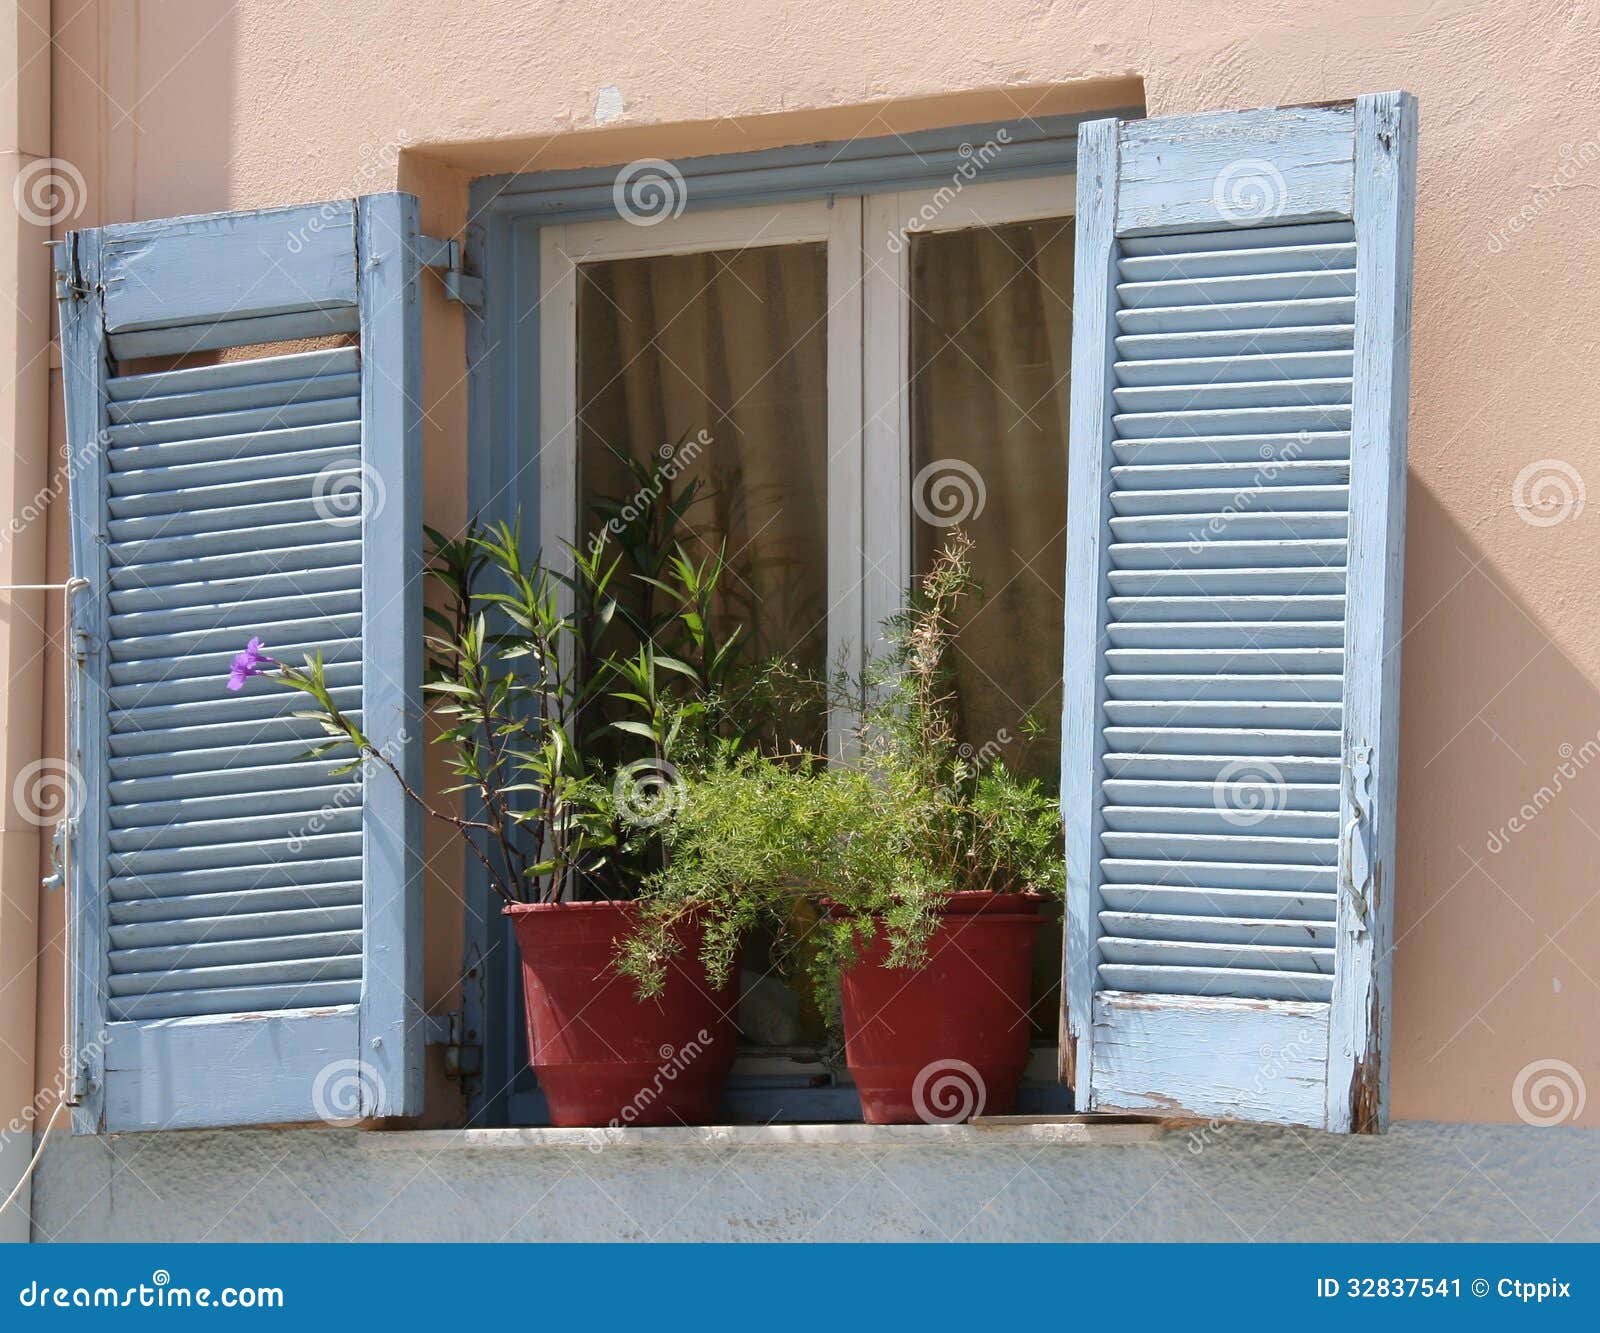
[[949, 1041], [605, 1057]]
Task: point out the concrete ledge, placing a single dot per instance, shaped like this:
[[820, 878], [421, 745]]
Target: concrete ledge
[[847, 1182], [1024, 1131]]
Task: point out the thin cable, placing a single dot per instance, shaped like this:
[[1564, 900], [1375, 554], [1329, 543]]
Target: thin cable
[[37, 1154], [62, 848]]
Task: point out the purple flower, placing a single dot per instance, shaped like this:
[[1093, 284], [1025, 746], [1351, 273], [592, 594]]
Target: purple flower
[[247, 664]]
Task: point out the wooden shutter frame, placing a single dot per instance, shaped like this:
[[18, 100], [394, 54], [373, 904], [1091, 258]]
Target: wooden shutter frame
[[1171, 188], [217, 281]]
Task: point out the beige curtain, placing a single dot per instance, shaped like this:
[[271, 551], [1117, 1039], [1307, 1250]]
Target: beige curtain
[[991, 324], [734, 345]]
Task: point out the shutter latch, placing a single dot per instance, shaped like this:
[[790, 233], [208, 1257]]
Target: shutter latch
[[1355, 856], [445, 257], [59, 841]]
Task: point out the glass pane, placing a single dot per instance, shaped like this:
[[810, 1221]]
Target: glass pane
[[991, 323], [710, 371]]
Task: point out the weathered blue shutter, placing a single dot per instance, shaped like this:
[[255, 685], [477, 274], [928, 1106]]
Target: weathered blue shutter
[[1235, 539], [246, 928]]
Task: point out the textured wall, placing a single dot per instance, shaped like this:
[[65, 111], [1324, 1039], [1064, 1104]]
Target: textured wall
[[1422, 1182], [169, 107]]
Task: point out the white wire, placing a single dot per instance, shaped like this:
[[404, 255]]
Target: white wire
[[37, 1154], [69, 587]]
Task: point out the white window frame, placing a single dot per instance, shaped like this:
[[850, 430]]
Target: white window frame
[[868, 367]]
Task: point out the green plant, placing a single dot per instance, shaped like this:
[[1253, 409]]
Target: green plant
[[887, 840], [563, 743]]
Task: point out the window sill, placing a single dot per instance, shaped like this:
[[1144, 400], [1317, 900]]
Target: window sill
[[1020, 1131]]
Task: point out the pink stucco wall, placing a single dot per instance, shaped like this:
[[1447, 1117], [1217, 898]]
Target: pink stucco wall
[[172, 107]]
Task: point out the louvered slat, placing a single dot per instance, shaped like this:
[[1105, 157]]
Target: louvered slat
[[235, 870], [1229, 501]]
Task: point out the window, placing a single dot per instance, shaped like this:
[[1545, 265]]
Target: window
[[821, 357], [844, 379]]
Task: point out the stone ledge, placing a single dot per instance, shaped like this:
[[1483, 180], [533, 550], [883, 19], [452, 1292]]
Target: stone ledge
[[1024, 1131]]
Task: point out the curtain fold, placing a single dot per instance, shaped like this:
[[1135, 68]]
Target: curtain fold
[[990, 365], [732, 344]]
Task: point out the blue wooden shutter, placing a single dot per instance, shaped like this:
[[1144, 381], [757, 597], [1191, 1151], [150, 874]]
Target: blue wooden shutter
[[246, 929], [1235, 539]]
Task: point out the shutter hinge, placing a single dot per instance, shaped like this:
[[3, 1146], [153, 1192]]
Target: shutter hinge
[[446, 257], [463, 1055], [69, 272]]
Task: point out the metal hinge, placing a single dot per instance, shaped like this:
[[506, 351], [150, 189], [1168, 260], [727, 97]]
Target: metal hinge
[[68, 271], [446, 258], [463, 1055]]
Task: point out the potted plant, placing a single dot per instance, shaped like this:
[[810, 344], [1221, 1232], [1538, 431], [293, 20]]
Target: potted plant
[[932, 867], [562, 743]]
